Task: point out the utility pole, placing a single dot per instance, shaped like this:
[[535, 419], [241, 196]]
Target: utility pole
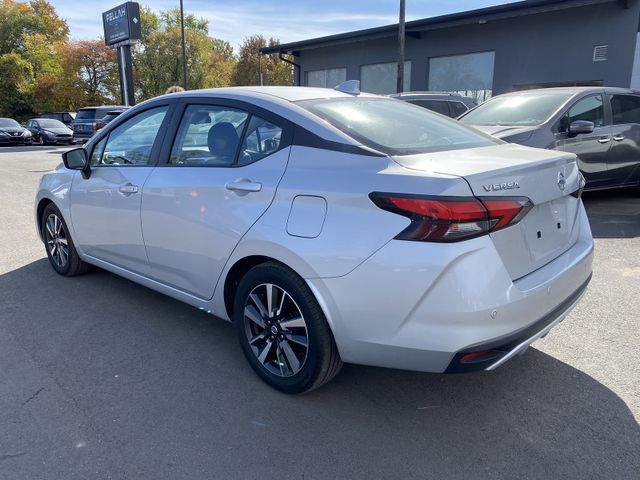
[[400, 84], [184, 48]]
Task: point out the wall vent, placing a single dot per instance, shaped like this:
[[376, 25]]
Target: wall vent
[[600, 53]]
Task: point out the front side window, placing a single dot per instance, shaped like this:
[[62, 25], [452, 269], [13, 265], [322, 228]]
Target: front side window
[[516, 110], [590, 109], [625, 109], [458, 108], [131, 142], [396, 128]]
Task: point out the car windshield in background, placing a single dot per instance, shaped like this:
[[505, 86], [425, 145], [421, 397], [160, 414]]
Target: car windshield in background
[[49, 123], [8, 123], [523, 110], [395, 127]]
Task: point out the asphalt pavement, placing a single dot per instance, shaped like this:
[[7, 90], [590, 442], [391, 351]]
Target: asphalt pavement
[[101, 378]]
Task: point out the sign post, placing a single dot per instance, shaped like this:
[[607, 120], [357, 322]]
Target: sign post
[[122, 28]]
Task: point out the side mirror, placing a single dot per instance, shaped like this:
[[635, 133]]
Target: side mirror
[[580, 126], [76, 159]]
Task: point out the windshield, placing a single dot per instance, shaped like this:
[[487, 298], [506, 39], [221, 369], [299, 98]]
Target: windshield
[[49, 123], [523, 110], [396, 127], [8, 123]]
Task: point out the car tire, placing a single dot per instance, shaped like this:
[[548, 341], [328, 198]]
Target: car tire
[[292, 348], [61, 251], [41, 141]]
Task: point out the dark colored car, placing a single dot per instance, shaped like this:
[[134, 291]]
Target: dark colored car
[[64, 117], [86, 121], [449, 104], [47, 131], [109, 116], [599, 124], [12, 133]]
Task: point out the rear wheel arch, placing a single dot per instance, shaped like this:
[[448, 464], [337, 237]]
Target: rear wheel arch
[[235, 274]]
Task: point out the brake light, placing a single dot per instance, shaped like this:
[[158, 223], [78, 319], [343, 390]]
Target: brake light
[[452, 219]]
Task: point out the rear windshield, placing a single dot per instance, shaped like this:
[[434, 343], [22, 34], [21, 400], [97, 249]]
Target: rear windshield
[[8, 123], [518, 110], [86, 114], [396, 127]]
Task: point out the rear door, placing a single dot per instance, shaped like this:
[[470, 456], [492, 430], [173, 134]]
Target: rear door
[[105, 208], [219, 176], [591, 148], [623, 162]]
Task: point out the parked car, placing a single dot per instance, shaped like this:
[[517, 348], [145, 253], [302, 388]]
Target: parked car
[[449, 104], [12, 133], [64, 117], [86, 122], [328, 226], [109, 116], [47, 131], [600, 125]]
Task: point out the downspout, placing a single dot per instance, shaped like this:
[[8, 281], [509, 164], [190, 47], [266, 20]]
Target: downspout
[[296, 68]]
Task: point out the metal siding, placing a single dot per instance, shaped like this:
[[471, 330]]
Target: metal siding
[[547, 47]]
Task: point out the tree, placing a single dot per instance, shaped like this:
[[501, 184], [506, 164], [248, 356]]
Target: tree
[[35, 17], [90, 75], [15, 86], [274, 71], [157, 58]]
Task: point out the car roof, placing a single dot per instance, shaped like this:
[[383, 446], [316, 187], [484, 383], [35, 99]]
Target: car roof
[[291, 94], [102, 107], [426, 94], [572, 90]]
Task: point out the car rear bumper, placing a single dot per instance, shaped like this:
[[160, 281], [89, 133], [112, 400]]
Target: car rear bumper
[[420, 306]]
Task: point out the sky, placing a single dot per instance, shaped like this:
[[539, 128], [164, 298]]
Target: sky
[[288, 20]]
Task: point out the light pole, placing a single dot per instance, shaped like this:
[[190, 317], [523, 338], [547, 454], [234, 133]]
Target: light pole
[[184, 48], [400, 84]]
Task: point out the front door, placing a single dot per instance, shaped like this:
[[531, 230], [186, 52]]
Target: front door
[[220, 177], [105, 208], [591, 148], [624, 157]]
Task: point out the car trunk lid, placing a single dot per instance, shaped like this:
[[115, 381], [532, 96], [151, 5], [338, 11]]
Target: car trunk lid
[[547, 178]]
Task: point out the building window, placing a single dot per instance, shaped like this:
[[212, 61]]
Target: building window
[[383, 77], [470, 75], [326, 78]]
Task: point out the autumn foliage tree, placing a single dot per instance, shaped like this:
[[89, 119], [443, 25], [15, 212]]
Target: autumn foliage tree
[[251, 64]]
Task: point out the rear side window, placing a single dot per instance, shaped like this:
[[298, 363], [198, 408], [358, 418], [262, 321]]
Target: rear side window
[[100, 113], [590, 109], [262, 138], [458, 108], [438, 106], [625, 109], [86, 114]]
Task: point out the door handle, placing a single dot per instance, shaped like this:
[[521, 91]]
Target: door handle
[[128, 189], [243, 185], [604, 139], [619, 137]]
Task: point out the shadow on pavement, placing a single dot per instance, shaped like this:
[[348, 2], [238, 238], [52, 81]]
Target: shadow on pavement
[[614, 213], [152, 388]]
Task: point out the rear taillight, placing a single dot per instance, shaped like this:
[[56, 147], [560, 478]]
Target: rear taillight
[[451, 219], [97, 126]]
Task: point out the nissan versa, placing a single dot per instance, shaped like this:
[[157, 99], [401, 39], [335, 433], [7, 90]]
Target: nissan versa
[[329, 225]]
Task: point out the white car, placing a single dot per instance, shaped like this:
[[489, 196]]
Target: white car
[[329, 225]]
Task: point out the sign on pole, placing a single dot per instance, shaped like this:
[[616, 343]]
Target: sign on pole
[[122, 28], [122, 23]]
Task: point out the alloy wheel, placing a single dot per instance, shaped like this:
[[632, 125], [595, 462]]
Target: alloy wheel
[[276, 330], [57, 241]]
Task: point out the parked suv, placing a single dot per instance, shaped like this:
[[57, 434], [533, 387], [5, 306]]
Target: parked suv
[[64, 117], [449, 104], [86, 121], [601, 125]]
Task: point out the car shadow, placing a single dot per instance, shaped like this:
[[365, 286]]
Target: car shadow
[[167, 392], [614, 213]]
